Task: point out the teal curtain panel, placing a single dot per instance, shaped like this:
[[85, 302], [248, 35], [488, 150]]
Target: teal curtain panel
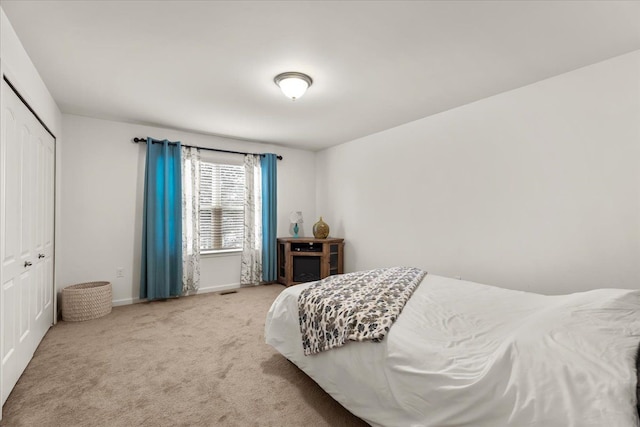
[[269, 216], [161, 271]]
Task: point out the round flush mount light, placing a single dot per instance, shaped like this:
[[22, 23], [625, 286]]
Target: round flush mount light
[[293, 84]]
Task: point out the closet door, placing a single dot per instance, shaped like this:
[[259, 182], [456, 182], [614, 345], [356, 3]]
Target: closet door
[[42, 222], [26, 237]]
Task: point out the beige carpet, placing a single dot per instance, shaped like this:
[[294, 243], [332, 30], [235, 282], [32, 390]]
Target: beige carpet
[[194, 361]]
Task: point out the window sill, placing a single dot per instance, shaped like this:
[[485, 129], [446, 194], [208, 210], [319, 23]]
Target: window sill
[[225, 252]]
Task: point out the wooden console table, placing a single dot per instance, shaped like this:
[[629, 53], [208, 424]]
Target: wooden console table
[[305, 260]]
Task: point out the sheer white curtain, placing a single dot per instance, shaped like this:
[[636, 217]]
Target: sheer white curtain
[[251, 267], [190, 220]]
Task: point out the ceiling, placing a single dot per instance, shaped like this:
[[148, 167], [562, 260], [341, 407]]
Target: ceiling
[[208, 66]]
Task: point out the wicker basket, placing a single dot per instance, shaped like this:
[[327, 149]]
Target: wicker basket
[[86, 301]]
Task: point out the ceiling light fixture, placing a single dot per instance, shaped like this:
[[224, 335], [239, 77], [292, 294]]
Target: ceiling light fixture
[[293, 84]]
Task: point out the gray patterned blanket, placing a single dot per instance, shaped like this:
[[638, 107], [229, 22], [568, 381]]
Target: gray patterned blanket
[[354, 307]]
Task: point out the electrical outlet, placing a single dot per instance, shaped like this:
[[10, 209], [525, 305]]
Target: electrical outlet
[[119, 272]]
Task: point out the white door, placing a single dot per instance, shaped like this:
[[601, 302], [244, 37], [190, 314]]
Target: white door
[[26, 237]]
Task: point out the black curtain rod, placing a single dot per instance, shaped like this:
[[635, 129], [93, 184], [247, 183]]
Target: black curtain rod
[[136, 140]]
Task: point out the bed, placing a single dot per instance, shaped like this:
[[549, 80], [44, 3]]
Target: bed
[[466, 354]]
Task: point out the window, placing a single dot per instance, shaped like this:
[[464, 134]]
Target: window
[[221, 211]]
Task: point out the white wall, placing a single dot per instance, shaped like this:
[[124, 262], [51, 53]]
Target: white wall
[[19, 69], [533, 189], [16, 65], [102, 203]]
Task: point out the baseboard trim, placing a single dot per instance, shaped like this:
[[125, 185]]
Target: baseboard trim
[[126, 301], [203, 290], [217, 288]]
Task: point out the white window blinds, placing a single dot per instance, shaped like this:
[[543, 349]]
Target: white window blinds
[[221, 206]]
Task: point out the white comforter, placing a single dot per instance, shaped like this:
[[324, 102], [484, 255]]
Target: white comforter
[[465, 354]]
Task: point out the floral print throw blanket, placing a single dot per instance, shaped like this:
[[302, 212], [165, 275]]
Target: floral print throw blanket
[[354, 307]]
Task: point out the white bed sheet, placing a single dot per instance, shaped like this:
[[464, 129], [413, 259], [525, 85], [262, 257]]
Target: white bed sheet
[[466, 354]]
